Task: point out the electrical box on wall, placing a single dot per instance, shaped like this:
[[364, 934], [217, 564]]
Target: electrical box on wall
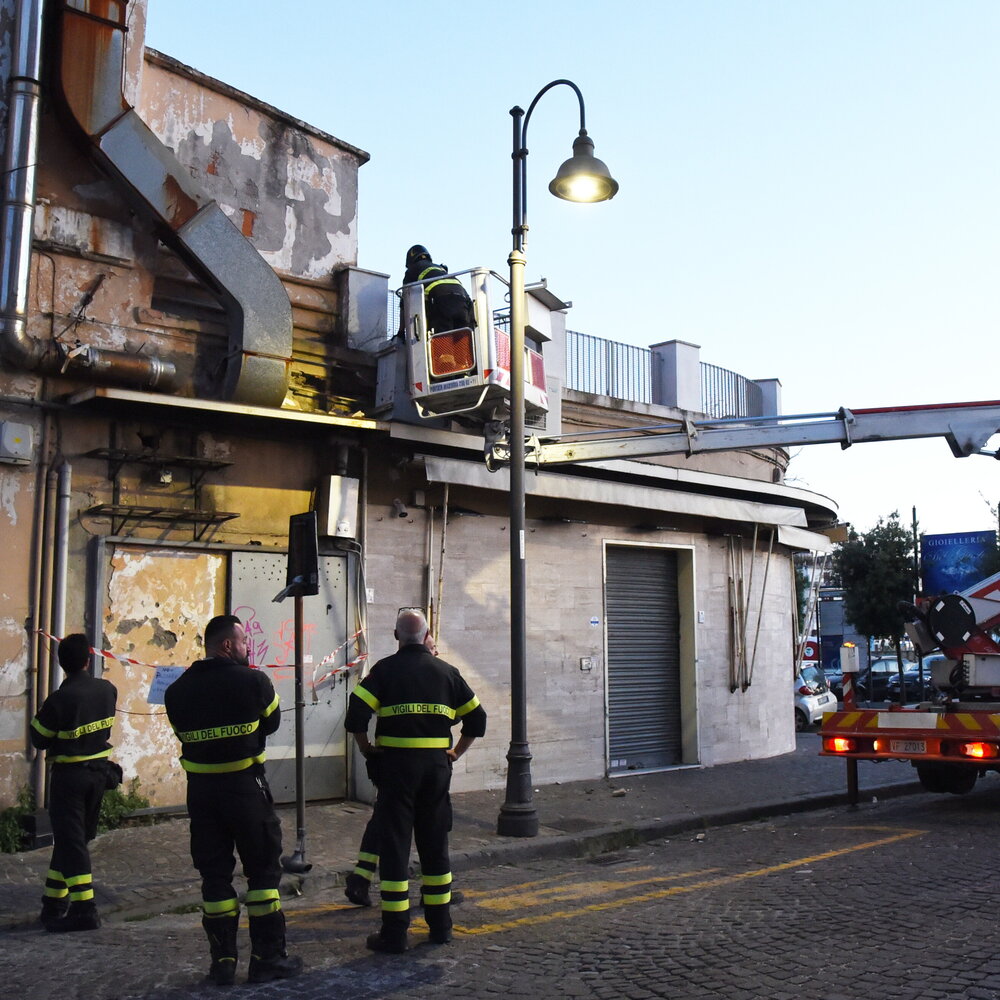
[[337, 507], [17, 442]]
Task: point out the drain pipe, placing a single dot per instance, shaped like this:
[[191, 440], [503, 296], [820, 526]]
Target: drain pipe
[[60, 563], [17, 223], [18, 213], [38, 648]]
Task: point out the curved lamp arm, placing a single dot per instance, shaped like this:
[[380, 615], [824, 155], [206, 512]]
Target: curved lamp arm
[[583, 163]]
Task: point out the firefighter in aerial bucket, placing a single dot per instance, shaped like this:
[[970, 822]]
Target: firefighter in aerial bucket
[[447, 303]]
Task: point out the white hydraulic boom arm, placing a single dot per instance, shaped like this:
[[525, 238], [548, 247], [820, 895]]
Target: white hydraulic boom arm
[[966, 426]]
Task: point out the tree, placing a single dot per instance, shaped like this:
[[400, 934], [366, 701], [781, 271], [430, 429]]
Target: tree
[[876, 571]]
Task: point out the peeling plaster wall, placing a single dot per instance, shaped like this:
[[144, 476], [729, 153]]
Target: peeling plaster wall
[[290, 189], [157, 603]]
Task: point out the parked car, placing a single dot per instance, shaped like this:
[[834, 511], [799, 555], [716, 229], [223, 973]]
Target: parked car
[[912, 689], [873, 681], [835, 680], [812, 697]]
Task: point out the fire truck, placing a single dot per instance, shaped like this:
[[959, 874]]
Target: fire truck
[[954, 738]]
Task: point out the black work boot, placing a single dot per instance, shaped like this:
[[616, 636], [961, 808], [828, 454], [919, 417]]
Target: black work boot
[[438, 923], [268, 958], [392, 939], [358, 890], [79, 917], [53, 909], [221, 934]]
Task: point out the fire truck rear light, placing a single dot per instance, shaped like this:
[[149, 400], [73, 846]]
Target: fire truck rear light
[[839, 744], [979, 750], [452, 353]]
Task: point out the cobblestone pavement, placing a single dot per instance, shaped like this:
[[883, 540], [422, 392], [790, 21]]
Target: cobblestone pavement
[[144, 871], [892, 900]]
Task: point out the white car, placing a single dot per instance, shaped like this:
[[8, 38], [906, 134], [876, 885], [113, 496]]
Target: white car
[[812, 698]]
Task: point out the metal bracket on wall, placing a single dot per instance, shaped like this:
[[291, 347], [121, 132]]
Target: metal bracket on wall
[[124, 514]]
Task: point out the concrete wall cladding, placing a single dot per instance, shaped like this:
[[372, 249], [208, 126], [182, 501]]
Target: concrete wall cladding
[[567, 706]]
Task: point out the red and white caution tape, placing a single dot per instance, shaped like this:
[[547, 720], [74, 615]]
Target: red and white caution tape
[[107, 654]]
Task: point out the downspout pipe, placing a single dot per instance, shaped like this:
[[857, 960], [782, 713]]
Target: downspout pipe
[[88, 82], [60, 563], [17, 223]]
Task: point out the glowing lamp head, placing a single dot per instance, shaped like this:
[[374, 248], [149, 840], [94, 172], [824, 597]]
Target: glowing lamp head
[[583, 177]]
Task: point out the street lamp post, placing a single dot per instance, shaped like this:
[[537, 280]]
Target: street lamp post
[[581, 178]]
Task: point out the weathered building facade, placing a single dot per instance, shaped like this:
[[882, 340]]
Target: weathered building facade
[[190, 355]]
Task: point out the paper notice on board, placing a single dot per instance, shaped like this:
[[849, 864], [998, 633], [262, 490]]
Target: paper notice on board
[[165, 676]]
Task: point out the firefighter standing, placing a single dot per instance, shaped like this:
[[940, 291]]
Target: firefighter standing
[[358, 884], [73, 726], [222, 712], [448, 304], [417, 698]]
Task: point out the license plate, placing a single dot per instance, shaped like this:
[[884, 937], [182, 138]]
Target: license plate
[[908, 746]]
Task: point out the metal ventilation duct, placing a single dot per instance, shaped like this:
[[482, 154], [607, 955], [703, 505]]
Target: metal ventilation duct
[[88, 77]]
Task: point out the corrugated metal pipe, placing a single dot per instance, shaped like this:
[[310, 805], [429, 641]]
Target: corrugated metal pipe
[[88, 81], [17, 221]]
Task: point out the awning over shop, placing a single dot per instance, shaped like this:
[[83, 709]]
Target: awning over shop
[[672, 501]]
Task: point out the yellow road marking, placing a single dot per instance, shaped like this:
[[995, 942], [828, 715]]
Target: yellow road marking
[[714, 883], [578, 890], [491, 893], [543, 891]]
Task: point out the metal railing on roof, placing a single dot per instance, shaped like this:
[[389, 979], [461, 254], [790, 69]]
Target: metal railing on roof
[[608, 368], [726, 394]]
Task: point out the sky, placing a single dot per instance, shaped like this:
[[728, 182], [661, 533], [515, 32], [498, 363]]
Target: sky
[[809, 190]]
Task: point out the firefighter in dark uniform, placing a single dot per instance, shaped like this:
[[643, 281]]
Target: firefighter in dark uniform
[[447, 302], [73, 727], [416, 698], [357, 886], [222, 711]]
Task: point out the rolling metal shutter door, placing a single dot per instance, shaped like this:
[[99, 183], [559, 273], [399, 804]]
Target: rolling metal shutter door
[[643, 623]]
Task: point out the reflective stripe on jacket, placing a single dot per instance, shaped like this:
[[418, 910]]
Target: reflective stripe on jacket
[[416, 698], [222, 712], [74, 723]]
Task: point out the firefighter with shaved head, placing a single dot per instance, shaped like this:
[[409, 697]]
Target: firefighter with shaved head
[[222, 711], [416, 699]]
